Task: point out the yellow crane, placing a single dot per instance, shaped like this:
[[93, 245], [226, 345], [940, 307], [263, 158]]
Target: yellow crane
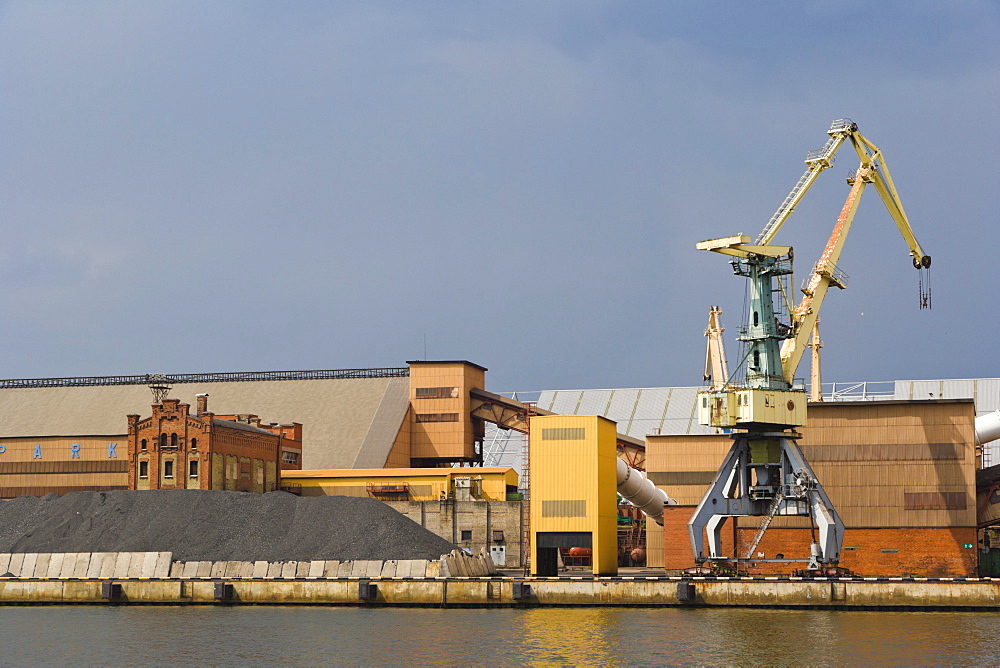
[[765, 473]]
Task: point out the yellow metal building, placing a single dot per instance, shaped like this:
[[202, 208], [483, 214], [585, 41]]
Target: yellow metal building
[[425, 484], [573, 495]]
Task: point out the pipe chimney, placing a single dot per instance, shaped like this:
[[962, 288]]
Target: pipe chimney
[[202, 404]]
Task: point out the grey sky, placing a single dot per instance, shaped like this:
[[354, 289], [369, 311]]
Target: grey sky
[[221, 186]]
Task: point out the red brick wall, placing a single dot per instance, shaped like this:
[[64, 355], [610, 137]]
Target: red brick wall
[[921, 552], [677, 542]]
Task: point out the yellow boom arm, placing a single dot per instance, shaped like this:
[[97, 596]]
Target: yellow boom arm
[[825, 273]]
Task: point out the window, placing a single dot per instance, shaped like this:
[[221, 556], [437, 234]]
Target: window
[[289, 457], [194, 443], [437, 417], [934, 501], [163, 440], [173, 440], [168, 469], [143, 469], [564, 433], [466, 534], [193, 468], [437, 393], [142, 444]]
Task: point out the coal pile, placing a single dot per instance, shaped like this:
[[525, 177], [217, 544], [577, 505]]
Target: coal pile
[[198, 525]]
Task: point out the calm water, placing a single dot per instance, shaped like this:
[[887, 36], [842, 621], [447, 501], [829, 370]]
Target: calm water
[[613, 636]]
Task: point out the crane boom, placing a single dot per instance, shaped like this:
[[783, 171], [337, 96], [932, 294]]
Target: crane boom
[[816, 161], [825, 273], [716, 368]]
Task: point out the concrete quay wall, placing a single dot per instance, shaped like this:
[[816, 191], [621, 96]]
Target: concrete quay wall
[[510, 592]]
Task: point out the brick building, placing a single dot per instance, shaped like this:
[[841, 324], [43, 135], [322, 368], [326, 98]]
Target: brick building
[[902, 475], [173, 449]]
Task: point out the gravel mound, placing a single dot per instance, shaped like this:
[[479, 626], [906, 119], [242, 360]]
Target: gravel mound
[[198, 525]]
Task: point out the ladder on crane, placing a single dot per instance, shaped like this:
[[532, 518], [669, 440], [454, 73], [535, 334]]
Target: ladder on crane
[[765, 523], [816, 161]]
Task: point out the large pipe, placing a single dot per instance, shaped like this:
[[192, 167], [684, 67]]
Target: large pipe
[[988, 427], [641, 492]]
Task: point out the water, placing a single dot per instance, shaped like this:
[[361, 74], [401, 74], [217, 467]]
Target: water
[[64, 635]]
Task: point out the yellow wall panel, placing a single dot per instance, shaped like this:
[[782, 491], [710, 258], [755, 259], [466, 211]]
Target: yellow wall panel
[[582, 471]]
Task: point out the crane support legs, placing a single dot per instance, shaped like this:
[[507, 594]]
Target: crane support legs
[[763, 475]]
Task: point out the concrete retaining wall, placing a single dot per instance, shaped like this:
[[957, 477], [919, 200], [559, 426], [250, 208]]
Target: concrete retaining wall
[[132, 565], [456, 579], [90, 565], [494, 592]]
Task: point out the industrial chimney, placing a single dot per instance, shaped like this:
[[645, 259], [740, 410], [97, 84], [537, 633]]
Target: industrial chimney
[[202, 404]]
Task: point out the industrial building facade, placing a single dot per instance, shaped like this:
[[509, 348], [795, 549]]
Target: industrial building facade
[[474, 508], [902, 475], [173, 449], [36, 466], [901, 471]]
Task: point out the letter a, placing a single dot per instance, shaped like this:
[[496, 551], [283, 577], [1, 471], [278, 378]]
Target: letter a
[[38, 451]]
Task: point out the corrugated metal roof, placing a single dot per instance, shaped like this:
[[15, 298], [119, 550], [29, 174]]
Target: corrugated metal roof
[[673, 410]]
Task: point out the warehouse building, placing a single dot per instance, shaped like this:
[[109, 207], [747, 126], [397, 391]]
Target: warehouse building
[[173, 449], [901, 474], [474, 508]]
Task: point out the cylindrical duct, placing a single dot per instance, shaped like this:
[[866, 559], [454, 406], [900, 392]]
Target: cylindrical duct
[[640, 492], [988, 427]]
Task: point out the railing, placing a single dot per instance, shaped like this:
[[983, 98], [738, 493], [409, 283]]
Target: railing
[[224, 377], [865, 391], [838, 276]]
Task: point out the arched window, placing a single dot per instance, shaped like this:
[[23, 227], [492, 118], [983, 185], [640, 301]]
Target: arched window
[[194, 443], [173, 440], [163, 440], [142, 444]]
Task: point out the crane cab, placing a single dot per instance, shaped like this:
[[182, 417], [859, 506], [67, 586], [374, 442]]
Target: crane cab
[[749, 407]]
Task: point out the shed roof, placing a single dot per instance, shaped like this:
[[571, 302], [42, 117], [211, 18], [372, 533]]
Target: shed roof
[[344, 420]]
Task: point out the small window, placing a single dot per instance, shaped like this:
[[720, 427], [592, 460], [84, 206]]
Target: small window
[[143, 469], [437, 393], [193, 468], [564, 434], [173, 440], [437, 417], [142, 444], [466, 534], [194, 443], [163, 440], [289, 457], [168, 469]]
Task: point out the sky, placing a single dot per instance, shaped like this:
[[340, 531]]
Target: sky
[[205, 186]]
